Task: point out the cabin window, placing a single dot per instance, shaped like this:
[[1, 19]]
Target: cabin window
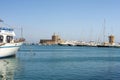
[[9, 39], [1, 38]]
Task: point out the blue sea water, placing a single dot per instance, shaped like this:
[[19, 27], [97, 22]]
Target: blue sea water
[[37, 62]]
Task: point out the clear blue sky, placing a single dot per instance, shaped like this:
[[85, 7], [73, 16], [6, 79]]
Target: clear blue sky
[[71, 19]]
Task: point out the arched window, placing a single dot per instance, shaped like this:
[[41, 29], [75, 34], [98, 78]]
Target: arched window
[[1, 38]]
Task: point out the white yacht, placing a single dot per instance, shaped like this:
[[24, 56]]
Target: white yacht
[[8, 45]]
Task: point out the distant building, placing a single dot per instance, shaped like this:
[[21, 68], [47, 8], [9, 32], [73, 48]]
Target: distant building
[[55, 40]]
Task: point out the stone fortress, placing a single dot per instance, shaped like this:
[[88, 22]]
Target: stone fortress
[[55, 40]]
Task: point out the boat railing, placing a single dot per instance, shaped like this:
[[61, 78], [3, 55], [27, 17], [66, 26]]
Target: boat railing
[[19, 40]]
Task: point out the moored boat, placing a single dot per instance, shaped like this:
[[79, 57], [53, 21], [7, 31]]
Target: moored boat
[[8, 45]]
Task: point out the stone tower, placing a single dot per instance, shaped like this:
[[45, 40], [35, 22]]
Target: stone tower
[[111, 39], [55, 38]]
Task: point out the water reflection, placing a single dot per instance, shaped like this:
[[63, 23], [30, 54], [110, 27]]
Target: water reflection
[[7, 68]]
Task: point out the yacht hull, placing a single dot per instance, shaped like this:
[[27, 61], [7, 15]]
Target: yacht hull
[[9, 49]]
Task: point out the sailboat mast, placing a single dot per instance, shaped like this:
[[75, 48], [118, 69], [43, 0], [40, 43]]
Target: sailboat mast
[[21, 32], [104, 29]]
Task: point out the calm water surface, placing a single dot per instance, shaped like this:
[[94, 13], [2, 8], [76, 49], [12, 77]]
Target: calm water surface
[[62, 63]]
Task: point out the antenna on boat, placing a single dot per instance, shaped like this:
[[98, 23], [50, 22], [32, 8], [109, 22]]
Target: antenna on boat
[[5, 23]]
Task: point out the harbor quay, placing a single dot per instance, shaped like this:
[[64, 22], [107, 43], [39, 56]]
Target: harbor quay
[[56, 40]]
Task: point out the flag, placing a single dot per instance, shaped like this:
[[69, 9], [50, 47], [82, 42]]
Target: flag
[[1, 20]]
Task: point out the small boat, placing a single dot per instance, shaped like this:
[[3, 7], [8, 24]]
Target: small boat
[[67, 43], [62, 44], [8, 45], [109, 46]]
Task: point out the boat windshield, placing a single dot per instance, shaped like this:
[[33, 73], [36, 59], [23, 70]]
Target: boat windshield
[[9, 39], [1, 38]]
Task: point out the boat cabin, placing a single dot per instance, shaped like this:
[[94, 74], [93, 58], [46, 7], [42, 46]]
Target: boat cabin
[[6, 35]]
